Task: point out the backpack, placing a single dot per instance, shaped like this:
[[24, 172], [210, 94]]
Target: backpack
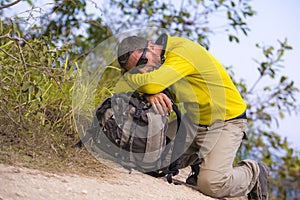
[[127, 129]]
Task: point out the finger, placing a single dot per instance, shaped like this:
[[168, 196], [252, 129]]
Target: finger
[[161, 103], [155, 108], [158, 106], [155, 102], [166, 103], [160, 109], [169, 105]]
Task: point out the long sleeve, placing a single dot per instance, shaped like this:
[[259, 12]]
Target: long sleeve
[[174, 69]]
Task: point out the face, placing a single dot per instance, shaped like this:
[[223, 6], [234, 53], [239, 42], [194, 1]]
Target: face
[[151, 53]]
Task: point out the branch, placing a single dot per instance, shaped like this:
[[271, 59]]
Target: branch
[[9, 5], [11, 56], [21, 55], [12, 119], [254, 85]]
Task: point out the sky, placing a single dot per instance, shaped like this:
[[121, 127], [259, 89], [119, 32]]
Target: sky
[[275, 19]]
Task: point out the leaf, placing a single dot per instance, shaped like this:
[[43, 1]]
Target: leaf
[[288, 47], [268, 52], [281, 114], [229, 15], [233, 38], [7, 44], [30, 2], [232, 4], [283, 78], [267, 88]]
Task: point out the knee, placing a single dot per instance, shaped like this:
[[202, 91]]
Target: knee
[[211, 183]]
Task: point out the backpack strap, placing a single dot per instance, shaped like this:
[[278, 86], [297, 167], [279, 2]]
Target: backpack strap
[[178, 149], [179, 142]]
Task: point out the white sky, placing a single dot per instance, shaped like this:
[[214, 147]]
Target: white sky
[[275, 19]]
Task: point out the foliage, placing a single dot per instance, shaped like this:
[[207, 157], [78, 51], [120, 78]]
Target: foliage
[[35, 87], [67, 18], [40, 62], [265, 107], [37, 72], [192, 18]]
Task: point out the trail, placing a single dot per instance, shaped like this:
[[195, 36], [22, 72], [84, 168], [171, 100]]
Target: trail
[[18, 183]]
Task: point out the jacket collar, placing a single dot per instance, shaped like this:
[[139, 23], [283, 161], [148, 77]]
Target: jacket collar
[[162, 40]]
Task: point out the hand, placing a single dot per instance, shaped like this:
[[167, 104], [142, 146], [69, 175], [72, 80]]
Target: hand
[[161, 103]]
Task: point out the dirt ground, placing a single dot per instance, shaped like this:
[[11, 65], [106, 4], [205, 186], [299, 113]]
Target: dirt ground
[[18, 183]]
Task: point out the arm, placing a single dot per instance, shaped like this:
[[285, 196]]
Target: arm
[[156, 81], [122, 86]]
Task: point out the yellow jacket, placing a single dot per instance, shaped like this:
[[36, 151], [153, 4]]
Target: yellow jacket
[[196, 78]]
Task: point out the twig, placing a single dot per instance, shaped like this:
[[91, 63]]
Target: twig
[[9, 5], [254, 85], [34, 51], [5, 52], [21, 55], [53, 148], [7, 114], [96, 5], [17, 40]]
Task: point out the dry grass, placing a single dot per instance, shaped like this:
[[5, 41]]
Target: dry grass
[[46, 150]]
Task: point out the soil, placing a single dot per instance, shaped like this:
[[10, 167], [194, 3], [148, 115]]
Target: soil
[[17, 182]]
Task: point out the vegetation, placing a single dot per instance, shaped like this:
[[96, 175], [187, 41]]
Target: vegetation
[[42, 51]]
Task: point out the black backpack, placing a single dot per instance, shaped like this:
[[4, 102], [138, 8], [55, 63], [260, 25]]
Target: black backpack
[[126, 127]]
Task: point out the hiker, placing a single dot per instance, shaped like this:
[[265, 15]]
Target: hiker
[[215, 116]]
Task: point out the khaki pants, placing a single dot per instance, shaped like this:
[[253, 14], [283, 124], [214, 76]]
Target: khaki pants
[[217, 146]]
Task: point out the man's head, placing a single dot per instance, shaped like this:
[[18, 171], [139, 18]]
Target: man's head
[[135, 51]]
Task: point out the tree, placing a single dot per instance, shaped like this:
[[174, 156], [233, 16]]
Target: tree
[[40, 66], [191, 18]]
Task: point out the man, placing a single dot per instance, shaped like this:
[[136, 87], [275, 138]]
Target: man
[[215, 115]]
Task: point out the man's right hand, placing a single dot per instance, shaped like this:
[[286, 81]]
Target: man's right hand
[[161, 103]]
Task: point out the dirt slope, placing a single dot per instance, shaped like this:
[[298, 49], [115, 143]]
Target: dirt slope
[[23, 183]]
